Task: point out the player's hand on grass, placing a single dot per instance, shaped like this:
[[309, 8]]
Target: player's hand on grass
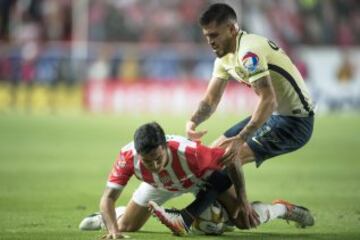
[[246, 216], [115, 235], [192, 133]]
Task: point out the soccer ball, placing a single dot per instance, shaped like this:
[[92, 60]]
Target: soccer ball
[[211, 221]]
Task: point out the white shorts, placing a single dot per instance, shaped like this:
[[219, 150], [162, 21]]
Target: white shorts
[[146, 192]]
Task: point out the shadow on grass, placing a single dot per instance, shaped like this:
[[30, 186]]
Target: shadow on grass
[[248, 236], [161, 235]]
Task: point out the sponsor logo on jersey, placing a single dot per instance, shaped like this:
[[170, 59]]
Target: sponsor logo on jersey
[[250, 62]]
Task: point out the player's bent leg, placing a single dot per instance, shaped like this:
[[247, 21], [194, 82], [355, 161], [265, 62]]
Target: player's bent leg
[[134, 217], [246, 154]]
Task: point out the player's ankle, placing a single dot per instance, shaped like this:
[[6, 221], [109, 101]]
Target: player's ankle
[[187, 217]]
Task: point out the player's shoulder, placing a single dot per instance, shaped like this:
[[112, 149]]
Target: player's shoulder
[[176, 140], [128, 147], [250, 41], [128, 151]]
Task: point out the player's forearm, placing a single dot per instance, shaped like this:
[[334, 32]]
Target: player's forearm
[[107, 209], [262, 112], [203, 112], [238, 179]]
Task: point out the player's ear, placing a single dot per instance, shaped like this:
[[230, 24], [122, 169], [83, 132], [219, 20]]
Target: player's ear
[[233, 28]]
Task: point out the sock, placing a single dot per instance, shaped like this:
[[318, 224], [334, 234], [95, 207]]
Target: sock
[[268, 212], [217, 183]]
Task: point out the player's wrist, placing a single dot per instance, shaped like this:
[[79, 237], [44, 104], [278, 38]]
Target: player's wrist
[[191, 125]]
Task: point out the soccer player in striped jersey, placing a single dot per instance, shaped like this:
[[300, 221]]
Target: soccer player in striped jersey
[[283, 119], [169, 166]]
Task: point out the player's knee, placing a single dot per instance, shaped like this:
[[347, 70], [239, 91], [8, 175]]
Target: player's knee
[[219, 181], [246, 155], [128, 227]]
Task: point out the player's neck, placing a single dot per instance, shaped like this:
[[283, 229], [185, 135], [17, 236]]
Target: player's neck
[[167, 157], [233, 42]]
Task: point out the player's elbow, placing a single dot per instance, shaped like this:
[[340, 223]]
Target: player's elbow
[[270, 102], [273, 104]]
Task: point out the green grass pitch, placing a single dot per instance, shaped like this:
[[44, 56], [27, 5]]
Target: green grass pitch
[[53, 170]]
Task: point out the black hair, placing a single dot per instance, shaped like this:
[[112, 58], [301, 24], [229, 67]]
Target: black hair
[[148, 137], [218, 13]]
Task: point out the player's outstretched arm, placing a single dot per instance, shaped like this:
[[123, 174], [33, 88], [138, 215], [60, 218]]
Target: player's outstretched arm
[[107, 209], [206, 108]]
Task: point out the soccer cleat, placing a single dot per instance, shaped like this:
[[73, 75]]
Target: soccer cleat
[[298, 214], [171, 218], [91, 222], [95, 222]]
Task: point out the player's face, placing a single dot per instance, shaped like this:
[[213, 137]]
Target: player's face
[[219, 37], [156, 159]]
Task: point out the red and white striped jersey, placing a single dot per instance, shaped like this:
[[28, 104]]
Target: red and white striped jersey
[[189, 162]]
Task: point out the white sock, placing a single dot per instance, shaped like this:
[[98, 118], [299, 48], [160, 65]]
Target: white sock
[[268, 212]]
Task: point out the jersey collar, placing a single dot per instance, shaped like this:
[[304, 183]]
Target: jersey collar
[[238, 39]]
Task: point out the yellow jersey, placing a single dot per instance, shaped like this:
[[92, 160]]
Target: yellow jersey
[[255, 57]]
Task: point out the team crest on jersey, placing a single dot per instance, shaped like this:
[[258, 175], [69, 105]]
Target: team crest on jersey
[[121, 163], [250, 62]]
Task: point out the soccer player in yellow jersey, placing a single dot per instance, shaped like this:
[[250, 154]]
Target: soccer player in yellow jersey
[[283, 119]]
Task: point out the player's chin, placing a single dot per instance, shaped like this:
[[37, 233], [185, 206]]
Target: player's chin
[[219, 53]]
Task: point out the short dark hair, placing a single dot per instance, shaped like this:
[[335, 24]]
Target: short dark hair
[[218, 13], [148, 137]]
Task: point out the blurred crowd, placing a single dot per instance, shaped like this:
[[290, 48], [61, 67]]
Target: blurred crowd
[[129, 40], [319, 22]]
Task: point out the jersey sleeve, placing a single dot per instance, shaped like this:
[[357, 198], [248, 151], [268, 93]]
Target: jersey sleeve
[[219, 70], [208, 158], [254, 60], [121, 172]]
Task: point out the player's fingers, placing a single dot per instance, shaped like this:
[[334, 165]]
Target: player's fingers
[[253, 222], [235, 214], [247, 222], [228, 157], [226, 161], [197, 135], [255, 218], [202, 133], [225, 142], [106, 236], [190, 134]]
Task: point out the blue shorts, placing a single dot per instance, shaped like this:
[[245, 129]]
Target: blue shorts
[[278, 135]]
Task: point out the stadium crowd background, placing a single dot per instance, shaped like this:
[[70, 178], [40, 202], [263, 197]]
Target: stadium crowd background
[[64, 43]]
